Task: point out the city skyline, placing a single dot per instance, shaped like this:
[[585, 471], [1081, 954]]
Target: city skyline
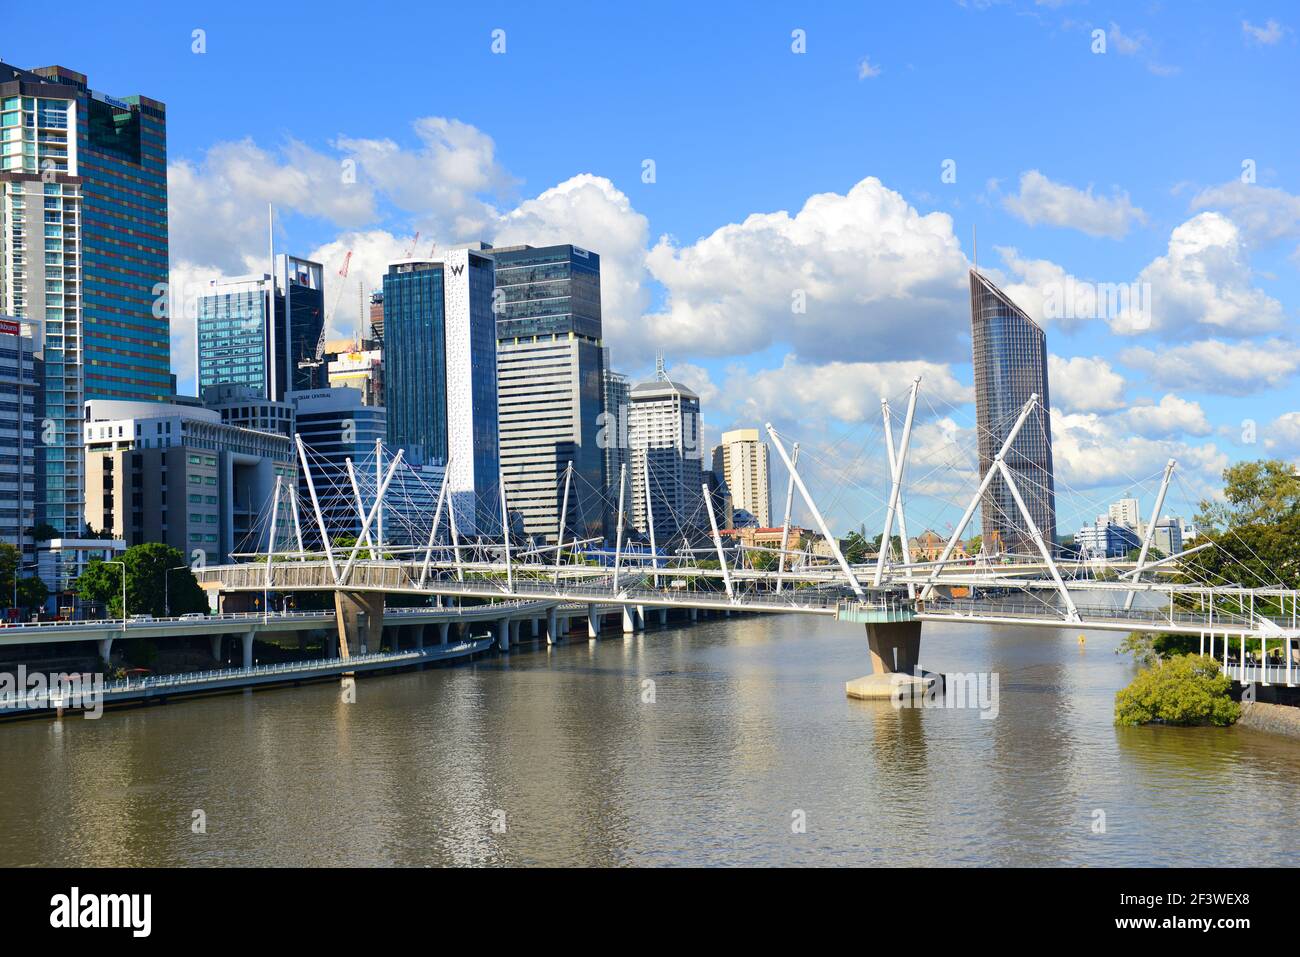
[[1216, 248]]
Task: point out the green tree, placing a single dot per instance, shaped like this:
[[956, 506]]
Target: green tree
[[1255, 529], [974, 544], [152, 577], [32, 592], [1188, 690]]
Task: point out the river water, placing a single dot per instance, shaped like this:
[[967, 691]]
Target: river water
[[749, 753]]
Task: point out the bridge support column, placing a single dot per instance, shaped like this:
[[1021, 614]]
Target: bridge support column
[[632, 620], [247, 639], [534, 625], [895, 655], [105, 648], [503, 634], [695, 614], [215, 643], [551, 621], [419, 636], [663, 616], [516, 629], [348, 608], [593, 621], [443, 628]]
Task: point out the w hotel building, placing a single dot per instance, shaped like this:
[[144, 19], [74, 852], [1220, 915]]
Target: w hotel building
[[83, 256], [1010, 356]]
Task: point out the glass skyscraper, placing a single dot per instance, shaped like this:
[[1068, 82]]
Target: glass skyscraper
[[235, 344], [83, 255], [551, 386], [1010, 358], [440, 376]]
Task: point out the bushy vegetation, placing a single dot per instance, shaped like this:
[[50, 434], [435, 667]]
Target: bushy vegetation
[[1186, 690]]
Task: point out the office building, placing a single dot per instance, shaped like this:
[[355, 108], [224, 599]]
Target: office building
[[664, 437], [741, 459], [237, 346], [1106, 539], [1010, 359], [551, 387], [377, 315], [83, 255], [1167, 536], [245, 407], [19, 386], [336, 425], [60, 562], [612, 435], [161, 472], [1127, 511], [440, 376]]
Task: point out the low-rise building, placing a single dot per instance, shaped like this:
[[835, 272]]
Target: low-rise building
[[161, 472]]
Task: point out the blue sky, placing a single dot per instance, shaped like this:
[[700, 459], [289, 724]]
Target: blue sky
[[1102, 167]]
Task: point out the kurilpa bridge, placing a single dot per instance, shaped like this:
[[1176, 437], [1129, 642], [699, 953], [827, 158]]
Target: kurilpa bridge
[[892, 594]]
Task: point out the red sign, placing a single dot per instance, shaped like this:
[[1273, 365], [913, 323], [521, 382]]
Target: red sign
[[9, 328]]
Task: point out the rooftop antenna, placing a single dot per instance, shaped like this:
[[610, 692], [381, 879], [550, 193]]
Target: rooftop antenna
[[661, 374]]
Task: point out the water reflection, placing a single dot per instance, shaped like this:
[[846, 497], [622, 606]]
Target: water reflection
[[565, 755]]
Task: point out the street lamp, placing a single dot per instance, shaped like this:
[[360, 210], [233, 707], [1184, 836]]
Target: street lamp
[[167, 583], [123, 564]]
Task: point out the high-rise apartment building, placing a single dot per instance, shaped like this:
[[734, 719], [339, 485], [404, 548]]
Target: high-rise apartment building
[[440, 376], [1010, 358], [612, 436], [551, 387], [237, 346], [19, 384], [741, 461], [664, 438], [83, 256]]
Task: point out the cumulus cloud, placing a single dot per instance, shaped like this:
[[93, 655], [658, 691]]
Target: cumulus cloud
[[1264, 213], [1042, 201], [1282, 435], [1211, 365], [1082, 384], [1169, 417], [867, 70], [1094, 451], [847, 391], [849, 277]]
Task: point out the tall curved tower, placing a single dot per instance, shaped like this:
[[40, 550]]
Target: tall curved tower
[[1010, 358]]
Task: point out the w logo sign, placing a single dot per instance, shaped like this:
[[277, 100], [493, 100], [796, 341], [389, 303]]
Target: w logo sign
[[457, 269]]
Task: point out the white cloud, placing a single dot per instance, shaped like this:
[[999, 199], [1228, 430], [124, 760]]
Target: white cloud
[[1094, 451], [1282, 435], [1169, 417], [867, 70], [1225, 368], [808, 393], [1082, 384], [1123, 43], [1267, 35], [1264, 213], [880, 281], [1042, 201]]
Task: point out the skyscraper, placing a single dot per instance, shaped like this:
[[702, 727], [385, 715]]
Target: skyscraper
[[613, 431], [83, 255], [19, 384], [1010, 358], [664, 436], [236, 345], [551, 386], [440, 376], [741, 462]]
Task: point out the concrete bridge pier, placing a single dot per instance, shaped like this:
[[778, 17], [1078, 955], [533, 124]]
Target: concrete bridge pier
[[105, 648], [247, 638], [215, 643], [632, 620], [534, 624], [443, 628], [516, 627], [503, 634], [895, 656], [695, 614], [593, 621], [663, 616], [552, 619], [348, 608]]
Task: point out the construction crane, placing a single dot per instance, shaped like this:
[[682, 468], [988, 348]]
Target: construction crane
[[411, 249], [316, 361]]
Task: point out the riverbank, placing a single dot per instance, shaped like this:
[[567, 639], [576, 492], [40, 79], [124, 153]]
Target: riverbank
[[1271, 718]]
